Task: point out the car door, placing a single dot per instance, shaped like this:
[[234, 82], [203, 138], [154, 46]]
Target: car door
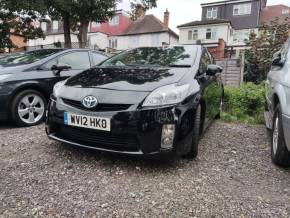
[[212, 88], [278, 75], [77, 60]]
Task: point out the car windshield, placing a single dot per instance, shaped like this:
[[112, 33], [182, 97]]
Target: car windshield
[[174, 56], [27, 57]]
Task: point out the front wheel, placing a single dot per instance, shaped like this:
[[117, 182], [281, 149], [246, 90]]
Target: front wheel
[[279, 152], [28, 108], [196, 135]]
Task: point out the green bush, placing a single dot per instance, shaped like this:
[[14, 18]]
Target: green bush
[[244, 104]]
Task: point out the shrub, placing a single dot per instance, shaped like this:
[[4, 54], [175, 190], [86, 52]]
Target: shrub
[[244, 104]]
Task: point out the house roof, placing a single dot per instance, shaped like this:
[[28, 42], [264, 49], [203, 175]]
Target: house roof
[[146, 25], [204, 22], [272, 12]]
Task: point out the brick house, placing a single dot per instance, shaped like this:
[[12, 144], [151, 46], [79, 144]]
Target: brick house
[[272, 12]]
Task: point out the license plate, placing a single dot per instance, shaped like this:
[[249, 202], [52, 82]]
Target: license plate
[[90, 122]]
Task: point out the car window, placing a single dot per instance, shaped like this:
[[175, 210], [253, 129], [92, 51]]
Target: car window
[[77, 60], [204, 62], [50, 63], [167, 56], [97, 58], [27, 57]]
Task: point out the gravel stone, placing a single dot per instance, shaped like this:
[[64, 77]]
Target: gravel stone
[[233, 176]]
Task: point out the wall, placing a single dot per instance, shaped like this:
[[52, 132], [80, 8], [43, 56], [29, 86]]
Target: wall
[[50, 39], [223, 32], [19, 41], [98, 40], [133, 41], [238, 22], [218, 52]]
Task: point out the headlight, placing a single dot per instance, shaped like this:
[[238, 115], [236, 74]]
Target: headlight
[[4, 76], [57, 87], [167, 95]]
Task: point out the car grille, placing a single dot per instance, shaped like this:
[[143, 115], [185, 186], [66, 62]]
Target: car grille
[[99, 107], [99, 139]]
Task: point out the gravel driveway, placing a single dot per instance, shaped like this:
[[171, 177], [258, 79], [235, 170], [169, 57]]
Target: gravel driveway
[[232, 177]]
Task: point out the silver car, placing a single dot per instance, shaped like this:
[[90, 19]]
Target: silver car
[[277, 114]]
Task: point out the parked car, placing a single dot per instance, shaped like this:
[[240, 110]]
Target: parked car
[[277, 113], [144, 101], [27, 80]]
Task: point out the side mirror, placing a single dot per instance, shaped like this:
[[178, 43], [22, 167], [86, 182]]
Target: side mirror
[[278, 61], [56, 69], [213, 69]]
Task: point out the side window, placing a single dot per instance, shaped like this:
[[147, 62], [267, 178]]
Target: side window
[[97, 58], [204, 62], [77, 60], [49, 64]]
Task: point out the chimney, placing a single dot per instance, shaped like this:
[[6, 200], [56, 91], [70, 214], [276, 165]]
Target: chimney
[[166, 19]]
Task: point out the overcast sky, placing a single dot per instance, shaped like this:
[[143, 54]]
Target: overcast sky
[[184, 11]]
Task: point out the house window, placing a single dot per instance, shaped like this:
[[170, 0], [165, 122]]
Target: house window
[[55, 25], [195, 35], [242, 9], [113, 43], [43, 26], [285, 11], [211, 13], [114, 20], [210, 33], [190, 35], [95, 24]]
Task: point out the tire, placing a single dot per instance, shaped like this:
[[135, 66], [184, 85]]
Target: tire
[[193, 152], [279, 152], [28, 108]]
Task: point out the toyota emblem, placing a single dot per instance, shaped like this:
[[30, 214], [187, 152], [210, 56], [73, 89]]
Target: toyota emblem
[[90, 102]]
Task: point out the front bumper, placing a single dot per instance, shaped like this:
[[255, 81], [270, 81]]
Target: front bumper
[[286, 129], [133, 132]]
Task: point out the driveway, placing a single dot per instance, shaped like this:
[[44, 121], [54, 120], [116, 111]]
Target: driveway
[[233, 177]]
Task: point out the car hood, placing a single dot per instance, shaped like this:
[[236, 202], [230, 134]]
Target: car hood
[[127, 79]]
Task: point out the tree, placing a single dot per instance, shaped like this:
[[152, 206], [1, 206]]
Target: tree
[[17, 19], [258, 58], [12, 24], [77, 14], [85, 11]]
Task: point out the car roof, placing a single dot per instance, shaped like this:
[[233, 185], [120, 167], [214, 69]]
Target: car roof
[[68, 49]]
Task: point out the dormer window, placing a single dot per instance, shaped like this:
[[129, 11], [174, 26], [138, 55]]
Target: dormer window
[[211, 13], [242, 9], [285, 11], [114, 21]]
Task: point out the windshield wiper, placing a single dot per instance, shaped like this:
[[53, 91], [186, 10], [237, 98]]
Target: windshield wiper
[[180, 65]]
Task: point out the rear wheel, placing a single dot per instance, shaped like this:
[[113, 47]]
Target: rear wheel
[[28, 108], [279, 152], [196, 134]]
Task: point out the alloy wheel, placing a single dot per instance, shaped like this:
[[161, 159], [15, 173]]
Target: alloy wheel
[[31, 108]]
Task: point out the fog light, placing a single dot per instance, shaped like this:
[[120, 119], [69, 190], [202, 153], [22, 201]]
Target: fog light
[[167, 136]]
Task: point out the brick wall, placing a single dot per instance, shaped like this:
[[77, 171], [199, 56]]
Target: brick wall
[[218, 52], [19, 41]]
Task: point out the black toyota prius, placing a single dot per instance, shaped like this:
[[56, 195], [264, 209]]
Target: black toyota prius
[[144, 101]]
